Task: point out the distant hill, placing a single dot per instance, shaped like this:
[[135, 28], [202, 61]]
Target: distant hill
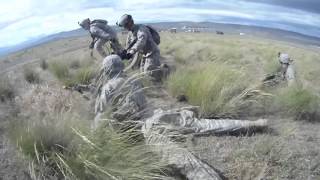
[[235, 29], [41, 40], [264, 32]]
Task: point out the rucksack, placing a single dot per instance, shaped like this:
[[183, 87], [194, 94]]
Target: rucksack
[[102, 25], [155, 35], [100, 21]]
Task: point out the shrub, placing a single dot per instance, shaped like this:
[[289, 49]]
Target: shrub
[[107, 153], [213, 87], [7, 91], [60, 70], [57, 148], [84, 75], [75, 64], [31, 76], [59, 144], [81, 75], [43, 64], [298, 102], [42, 141]]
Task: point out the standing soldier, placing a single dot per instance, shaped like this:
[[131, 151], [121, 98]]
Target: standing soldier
[[143, 39], [101, 33]]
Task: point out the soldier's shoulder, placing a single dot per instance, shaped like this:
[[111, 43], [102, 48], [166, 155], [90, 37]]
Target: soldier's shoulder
[[141, 27]]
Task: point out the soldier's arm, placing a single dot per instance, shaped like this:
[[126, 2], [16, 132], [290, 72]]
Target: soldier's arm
[[141, 42], [128, 41], [100, 33]]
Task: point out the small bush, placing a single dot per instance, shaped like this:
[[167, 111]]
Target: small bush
[[298, 102], [60, 70], [57, 148], [31, 76], [107, 153], [75, 64], [42, 141], [59, 144], [6, 89], [69, 78], [43, 64], [84, 75], [213, 87]]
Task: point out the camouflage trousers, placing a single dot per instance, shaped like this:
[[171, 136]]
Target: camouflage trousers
[[151, 66], [115, 46]]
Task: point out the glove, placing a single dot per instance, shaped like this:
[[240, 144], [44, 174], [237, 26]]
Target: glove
[[91, 45], [129, 55], [123, 54]]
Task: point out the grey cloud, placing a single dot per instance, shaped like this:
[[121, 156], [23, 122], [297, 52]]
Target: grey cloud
[[304, 5]]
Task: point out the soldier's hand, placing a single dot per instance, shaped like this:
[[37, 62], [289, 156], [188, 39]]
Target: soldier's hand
[[123, 54], [91, 53], [129, 55]]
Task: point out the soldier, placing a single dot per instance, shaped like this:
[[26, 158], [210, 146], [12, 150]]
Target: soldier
[[143, 39], [101, 33], [123, 95], [112, 79], [284, 60], [162, 130]]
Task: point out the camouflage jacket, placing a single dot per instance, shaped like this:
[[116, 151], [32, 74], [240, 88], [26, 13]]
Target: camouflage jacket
[[143, 41]]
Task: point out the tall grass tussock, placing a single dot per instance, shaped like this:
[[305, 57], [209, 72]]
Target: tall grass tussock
[[211, 86], [7, 91], [31, 76], [70, 76], [59, 144], [299, 103]]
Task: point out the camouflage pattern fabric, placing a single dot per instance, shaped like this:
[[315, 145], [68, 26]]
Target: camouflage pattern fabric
[[148, 48], [163, 125], [104, 33]]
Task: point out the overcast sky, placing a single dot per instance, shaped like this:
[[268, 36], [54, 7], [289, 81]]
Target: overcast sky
[[22, 20]]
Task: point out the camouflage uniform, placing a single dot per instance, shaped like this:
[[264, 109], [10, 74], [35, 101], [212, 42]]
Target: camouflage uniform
[[104, 33], [159, 130], [112, 69], [284, 60], [148, 48], [124, 95]]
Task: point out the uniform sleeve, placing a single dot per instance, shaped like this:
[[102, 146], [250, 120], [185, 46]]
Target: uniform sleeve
[[129, 37], [141, 41], [100, 33]]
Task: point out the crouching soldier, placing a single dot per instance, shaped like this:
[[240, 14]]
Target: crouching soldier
[[284, 60], [143, 39], [123, 96], [101, 33]]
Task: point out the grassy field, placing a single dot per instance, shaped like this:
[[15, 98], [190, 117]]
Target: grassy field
[[218, 73], [221, 74]]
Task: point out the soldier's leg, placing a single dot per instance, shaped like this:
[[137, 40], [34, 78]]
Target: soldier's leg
[[99, 47], [227, 126], [152, 66], [284, 68], [155, 133], [186, 120]]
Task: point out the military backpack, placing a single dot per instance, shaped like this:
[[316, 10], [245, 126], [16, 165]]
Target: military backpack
[[155, 35]]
